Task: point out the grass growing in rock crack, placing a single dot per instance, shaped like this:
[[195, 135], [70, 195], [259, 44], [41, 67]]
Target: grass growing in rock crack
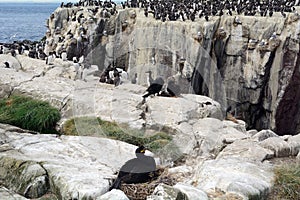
[[98, 127], [28, 113], [287, 182]]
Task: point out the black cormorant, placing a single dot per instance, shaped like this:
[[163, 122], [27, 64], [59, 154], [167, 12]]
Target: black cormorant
[[137, 170], [6, 65], [149, 78], [155, 87]]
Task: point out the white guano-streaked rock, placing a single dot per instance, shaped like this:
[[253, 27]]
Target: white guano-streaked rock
[[113, 195]]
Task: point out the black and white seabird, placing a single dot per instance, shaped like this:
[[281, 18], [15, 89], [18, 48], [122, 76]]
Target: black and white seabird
[[150, 80], [117, 79], [155, 87]]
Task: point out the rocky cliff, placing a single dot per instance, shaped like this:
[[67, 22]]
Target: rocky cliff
[[212, 158], [251, 65]]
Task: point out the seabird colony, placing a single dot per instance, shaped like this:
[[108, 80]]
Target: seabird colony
[[164, 10], [172, 10]]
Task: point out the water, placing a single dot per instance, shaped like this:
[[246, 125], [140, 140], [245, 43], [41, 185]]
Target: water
[[19, 21]]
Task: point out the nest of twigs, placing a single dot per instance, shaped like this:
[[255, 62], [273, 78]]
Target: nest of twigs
[[140, 191]]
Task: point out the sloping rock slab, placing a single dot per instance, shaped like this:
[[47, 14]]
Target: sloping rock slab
[[246, 149], [264, 134], [25, 177], [234, 175], [280, 147], [113, 195], [294, 143], [171, 112], [192, 193], [6, 194], [70, 167]]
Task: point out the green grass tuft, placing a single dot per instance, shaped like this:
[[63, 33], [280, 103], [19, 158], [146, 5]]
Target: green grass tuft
[[287, 182], [28, 113], [98, 127]]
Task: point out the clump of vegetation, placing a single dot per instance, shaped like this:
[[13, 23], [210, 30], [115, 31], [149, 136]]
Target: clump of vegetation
[[287, 182], [98, 127], [28, 113]]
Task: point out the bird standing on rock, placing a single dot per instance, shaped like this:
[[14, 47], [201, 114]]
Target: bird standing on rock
[[137, 170], [6, 65], [155, 87]]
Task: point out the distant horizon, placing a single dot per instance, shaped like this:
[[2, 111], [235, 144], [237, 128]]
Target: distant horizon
[[45, 1], [37, 1]]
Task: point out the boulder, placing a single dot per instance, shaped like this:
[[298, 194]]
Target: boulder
[[264, 134], [234, 175], [213, 137], [113, 195], [246, 149], [280, 147], [163, 191], [31, 175], [240, 126], [294, 143], [192, 193], [252, 132], [171, 112]]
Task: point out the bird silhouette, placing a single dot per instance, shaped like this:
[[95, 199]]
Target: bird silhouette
[[137, 170], [155, 87]]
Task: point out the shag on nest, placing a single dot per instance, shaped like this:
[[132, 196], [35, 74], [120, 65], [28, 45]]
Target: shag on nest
[[138, 170], [141, 191], [155, 87]]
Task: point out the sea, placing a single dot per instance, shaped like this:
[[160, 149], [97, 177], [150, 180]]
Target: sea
[[24, 21]]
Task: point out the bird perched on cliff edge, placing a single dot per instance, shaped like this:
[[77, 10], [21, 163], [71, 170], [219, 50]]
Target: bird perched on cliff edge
[[137, 170], [149, 78], [155, 87]]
